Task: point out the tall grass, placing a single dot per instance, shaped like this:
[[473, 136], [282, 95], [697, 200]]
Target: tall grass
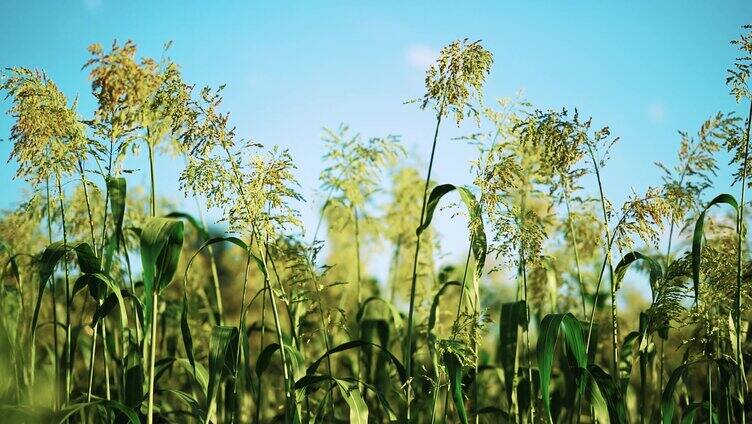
[[247, 320]]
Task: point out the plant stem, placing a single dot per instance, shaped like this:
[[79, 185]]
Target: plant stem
[[570, 221], [151, 180], [261, 345], [68, 305], [523, 273], [153, 344], [741, 377], [614, 323], [152, 357], [55, 361], [409, 341], [280, 339]]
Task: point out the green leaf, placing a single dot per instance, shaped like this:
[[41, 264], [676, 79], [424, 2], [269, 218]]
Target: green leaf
[[185, 331], [191, 220], [433, 201], [613, 396], [477, 233], [262, 362], [223, 350], [549, 334], [349, 391], [667, 398], [354, 400], [396, 316], [698, 236], [621, 268], [435, 306], [691, 410], [161, 243], [116, 298], [627, 358], [453, 367], [357, 344], [68, 411], [87, 261], [134, 380], [512, 317], [116, 187], [199, 373]]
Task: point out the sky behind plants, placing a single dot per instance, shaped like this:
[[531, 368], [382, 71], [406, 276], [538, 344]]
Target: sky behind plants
[[291, 69]]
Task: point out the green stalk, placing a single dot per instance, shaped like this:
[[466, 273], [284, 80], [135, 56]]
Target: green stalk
[[324, 328], [457, 320], [106, 196], [409, 346], [261, 344], [523, 272], [214, 273], [570, 221], [56, 372], [212, 262], [357, 253], [614, 323], [68, 305], [359, 353], [152, 357], [741, 380], [153, 343], [94, 333], [241, 319], [151, 177], [289, 398]]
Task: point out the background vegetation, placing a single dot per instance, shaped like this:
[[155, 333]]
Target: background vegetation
[[118, 307]]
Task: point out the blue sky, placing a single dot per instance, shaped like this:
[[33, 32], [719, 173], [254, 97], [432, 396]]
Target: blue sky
[[646, 69]]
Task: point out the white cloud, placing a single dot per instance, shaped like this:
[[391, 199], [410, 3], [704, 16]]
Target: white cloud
[[656, 112], [420, 56]]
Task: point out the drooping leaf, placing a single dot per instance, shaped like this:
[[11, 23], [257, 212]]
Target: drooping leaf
[[395, 313], [64, 415], [435, 305], [697, 238], [612, 395], [87, 261], [667, 398], [348, 389], [191, 220], [223, 349], [478, 241], [115, 298], [117, 192], [512, 317], [161, 243], [631, 257], [358, 344], [453, 367], [549, 334]]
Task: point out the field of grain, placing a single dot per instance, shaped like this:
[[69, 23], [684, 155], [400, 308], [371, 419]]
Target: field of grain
[[118, 306]]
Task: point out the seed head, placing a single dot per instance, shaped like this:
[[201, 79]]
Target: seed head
[[457, 77], [47, 136]]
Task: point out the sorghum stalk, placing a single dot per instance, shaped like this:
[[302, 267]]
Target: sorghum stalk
[[68, 306], [570, 222], [409, 346], [741, 378]]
